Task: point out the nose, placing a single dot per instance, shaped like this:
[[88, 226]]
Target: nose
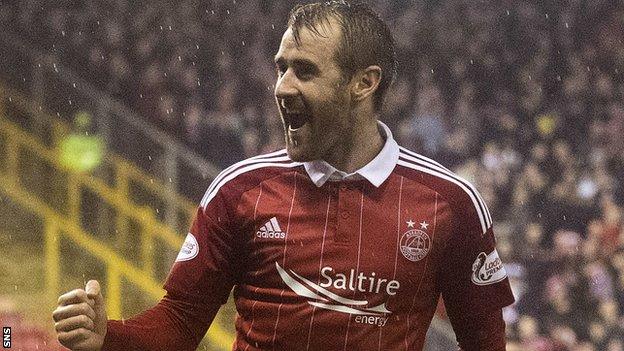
[[286, 89]]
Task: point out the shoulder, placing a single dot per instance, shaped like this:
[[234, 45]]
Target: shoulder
[[248, 173], [461, 195]]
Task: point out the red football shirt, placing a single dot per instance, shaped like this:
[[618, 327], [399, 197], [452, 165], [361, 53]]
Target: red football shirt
[[323, 260]]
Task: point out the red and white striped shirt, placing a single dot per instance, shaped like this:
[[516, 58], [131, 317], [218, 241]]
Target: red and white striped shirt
[[323, 260]]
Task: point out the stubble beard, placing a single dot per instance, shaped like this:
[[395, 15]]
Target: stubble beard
[[328, 126], [327, 130]]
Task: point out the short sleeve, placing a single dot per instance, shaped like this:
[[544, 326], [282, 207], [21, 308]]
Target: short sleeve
[[206, 263], [473, 281]]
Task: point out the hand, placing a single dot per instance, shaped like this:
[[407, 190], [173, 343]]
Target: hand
[[81, 318]]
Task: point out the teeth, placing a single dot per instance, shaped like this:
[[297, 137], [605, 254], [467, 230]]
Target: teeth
[[292, 140]]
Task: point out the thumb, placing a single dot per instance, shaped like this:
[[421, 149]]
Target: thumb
[[94, 291]]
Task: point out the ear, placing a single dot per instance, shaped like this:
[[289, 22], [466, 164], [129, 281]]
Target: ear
[[366, 82]]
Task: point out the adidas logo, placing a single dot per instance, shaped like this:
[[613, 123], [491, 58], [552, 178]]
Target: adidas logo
[[271, 230]]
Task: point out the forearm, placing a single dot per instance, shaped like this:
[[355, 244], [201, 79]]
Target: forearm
[[173, 324], [481, 333]]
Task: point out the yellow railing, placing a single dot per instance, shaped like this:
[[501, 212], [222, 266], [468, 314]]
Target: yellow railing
[[58, 225]]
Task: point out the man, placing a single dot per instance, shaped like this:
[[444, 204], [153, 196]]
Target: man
[[343, 241]]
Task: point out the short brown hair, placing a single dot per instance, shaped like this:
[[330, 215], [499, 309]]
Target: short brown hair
[[366, 39]]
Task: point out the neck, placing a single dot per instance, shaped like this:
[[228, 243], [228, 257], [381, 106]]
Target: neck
[[359, 148]]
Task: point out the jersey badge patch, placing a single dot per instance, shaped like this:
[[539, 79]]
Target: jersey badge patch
[[488, 269], [189, 250]]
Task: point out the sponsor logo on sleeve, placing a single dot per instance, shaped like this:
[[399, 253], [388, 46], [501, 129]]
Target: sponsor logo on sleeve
[[488, 269], [189, 249]]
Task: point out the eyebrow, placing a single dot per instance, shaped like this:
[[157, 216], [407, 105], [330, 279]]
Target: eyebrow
[[295, 62]]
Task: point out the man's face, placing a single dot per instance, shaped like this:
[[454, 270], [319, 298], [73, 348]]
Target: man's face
[[313, 100]]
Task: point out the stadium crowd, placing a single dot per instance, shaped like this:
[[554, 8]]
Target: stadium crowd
[[523, 98]]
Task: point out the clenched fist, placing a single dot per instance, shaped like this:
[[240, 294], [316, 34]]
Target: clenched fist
[[81, 318]]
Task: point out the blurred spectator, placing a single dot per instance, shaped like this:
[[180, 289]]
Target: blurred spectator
[[82, 150]]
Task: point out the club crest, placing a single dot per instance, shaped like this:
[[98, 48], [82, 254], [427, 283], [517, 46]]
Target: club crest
[[415, 245]]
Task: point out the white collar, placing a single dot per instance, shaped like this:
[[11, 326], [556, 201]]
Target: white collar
[[376, 171]]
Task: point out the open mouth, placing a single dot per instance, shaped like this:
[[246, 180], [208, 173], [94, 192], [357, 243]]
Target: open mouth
[[295, 121]]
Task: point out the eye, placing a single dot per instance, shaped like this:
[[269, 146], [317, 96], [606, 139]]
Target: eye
[[280, 69], [306, 71]]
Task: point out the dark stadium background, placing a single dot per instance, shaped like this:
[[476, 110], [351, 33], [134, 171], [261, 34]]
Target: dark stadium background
[[522, 98]]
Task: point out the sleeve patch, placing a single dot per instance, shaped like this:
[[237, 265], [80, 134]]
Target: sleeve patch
[[189, 250], [488, 269]]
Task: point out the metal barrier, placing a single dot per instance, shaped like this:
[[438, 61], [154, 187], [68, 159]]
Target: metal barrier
[[62, 222]]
